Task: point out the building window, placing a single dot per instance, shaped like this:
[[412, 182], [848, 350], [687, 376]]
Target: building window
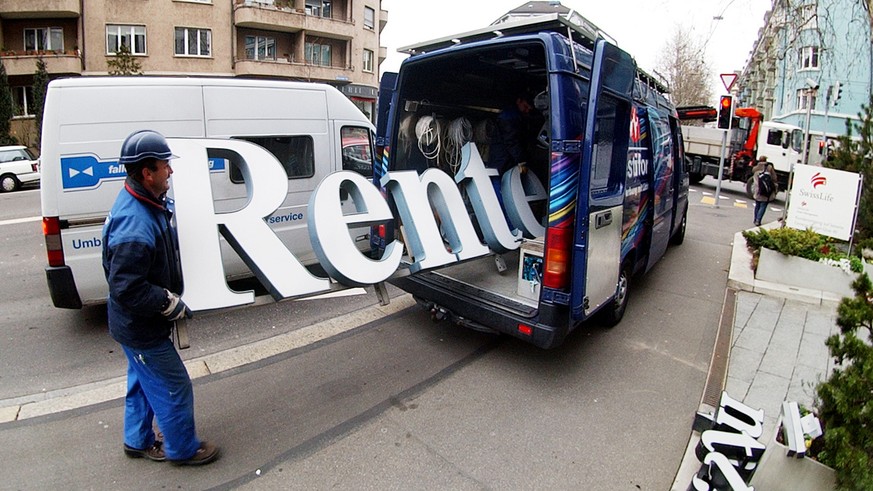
[[134, 37], [22, 97], [368, 61], [193, 42], [260, 48], [369, 18], [44, 39], [809, 57], [802, 98], [808, 16], [317, 54], [318, 8]]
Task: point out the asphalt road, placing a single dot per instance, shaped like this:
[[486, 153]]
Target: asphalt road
[[399, 403]]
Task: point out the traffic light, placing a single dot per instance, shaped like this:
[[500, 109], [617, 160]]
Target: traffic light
[[838, 92], [725, 112]]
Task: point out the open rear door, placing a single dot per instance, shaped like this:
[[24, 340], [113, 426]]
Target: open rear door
[[597, 243]]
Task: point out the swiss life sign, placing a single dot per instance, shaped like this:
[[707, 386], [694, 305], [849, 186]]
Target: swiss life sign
[[284, 276], [824, 200]]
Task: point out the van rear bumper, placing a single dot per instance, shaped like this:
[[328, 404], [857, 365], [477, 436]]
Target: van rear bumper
[[480, 309], [62, 287]]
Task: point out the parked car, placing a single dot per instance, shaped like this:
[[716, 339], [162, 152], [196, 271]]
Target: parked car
[[17, 167]]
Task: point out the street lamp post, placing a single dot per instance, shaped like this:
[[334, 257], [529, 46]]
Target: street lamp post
[[810, 91]]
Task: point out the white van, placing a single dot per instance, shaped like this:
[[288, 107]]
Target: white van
[[312, 129]]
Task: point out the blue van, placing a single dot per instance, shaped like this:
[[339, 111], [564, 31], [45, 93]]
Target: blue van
[[604, 172]]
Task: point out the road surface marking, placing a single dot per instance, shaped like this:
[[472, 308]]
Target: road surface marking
[[14, 221]]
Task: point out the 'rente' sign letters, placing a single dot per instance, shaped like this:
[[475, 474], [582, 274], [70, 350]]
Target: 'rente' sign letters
[[824, 200], [430, 244]]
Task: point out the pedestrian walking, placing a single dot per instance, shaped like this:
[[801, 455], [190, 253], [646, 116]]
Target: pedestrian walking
[[141, 264], [766, 187]]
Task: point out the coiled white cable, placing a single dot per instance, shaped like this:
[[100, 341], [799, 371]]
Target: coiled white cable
[[427, 131], [458, 133]]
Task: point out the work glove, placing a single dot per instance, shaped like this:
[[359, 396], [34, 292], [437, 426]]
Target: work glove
[[177, 308]]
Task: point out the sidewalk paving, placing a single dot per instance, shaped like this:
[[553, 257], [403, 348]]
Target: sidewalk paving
[[777, 348]]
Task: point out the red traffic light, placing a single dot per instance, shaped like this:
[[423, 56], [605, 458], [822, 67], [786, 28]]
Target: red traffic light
[[725, 112]]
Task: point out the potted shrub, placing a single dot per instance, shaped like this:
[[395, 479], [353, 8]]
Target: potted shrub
[[777, 252], [845, 399]]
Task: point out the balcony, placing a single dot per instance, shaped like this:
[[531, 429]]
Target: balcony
[[285, 19], [383, 19], [282, 68], [34, 9], [55, 63]]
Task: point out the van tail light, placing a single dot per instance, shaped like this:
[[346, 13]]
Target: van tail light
[[35, 167], [556, 271], [51, 229], [380, 231]]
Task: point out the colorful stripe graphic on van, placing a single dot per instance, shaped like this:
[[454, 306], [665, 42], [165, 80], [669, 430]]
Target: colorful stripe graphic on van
[[563, 183], [636, 193], [87, 172]]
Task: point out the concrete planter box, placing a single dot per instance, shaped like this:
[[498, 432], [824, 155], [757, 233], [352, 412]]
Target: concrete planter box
[[802, 273], [777, 470]]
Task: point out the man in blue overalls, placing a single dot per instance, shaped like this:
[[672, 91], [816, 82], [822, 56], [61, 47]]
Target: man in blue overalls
[[141, 263]]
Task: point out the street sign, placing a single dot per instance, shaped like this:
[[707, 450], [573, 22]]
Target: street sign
[[728, 80]]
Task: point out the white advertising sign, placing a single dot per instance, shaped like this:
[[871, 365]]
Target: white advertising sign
[[824, 200], [430, 244]]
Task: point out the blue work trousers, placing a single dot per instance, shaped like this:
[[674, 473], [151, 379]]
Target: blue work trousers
[[158, 386]]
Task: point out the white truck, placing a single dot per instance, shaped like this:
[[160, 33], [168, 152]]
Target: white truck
[[311, 129], [752, 138]]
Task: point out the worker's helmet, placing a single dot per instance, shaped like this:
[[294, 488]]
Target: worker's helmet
[[144, 144]]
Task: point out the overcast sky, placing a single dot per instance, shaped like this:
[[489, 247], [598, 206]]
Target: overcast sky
[[640, 27]]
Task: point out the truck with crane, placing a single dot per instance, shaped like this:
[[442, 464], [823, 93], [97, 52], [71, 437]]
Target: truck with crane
[[750, 137]]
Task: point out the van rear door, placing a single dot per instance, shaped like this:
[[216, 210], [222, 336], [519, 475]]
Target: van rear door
[[597, 245]]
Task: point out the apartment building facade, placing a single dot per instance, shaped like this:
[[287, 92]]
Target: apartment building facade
[[328, 41], [813, 60]]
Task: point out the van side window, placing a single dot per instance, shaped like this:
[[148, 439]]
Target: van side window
[[774, 137], [357, 150], [295, 153]]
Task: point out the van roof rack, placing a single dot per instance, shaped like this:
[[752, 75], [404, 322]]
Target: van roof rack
[[584, 33]]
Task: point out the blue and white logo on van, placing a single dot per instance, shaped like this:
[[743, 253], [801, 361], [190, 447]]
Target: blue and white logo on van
[[86, 171]]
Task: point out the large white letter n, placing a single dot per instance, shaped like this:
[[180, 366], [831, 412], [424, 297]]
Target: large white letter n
[[245, 229]]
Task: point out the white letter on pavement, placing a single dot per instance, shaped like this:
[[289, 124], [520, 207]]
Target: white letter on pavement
[[245, 230], [414, 196], [518, 190], [484, 200], [329, 233]]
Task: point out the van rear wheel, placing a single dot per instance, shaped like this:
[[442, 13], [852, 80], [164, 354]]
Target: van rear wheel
[[9, 182], [612, 313], [679, 237]]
